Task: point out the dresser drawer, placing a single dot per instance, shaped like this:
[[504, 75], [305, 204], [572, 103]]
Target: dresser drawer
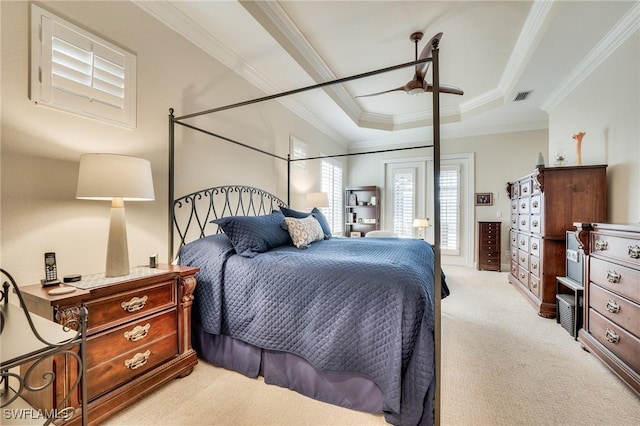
[[523, 205], [617, 340], [534, 285], [618, 309], [535, 224], [129, 337], [523, 242], [523, 276], [525, 188], [523, 259], [523, 222], [514, 206], [534, 246], [103, 377], [115, 310], [616, 248], [536, 204], [534, 265], [513, 238], [616, 278], [514, 269]]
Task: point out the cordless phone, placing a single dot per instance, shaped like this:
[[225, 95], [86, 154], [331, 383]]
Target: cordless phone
[[50, 270]]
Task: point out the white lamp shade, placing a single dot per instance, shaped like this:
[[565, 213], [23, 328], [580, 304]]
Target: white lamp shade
[[109, 176], [421, 223], [317, 199]]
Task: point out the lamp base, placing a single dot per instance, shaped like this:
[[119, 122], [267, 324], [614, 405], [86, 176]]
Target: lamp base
[[117, 250]]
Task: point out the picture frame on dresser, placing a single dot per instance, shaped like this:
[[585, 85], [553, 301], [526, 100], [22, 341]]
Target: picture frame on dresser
[[484, 199]]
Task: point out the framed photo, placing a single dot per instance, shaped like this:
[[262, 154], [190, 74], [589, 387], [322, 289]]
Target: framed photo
[[355, 234], [484, 199], [353, 199]]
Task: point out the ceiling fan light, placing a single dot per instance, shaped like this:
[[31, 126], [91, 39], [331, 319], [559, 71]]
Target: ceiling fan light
[[416, 91]]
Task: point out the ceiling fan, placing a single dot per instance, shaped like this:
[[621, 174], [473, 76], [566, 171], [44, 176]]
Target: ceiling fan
[[418, 84]]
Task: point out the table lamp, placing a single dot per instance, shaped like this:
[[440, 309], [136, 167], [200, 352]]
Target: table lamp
[[421, 223], [317, 199], [116, 178]]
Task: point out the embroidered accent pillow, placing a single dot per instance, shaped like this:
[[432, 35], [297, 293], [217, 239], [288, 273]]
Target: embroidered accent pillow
[[304, 231], [251, 235]]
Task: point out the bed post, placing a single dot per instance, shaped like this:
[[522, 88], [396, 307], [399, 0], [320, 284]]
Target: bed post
[[288, 180], [437, 270], [171, 183]]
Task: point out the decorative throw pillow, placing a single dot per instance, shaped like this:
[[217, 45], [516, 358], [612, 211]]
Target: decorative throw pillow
[[304, 231], [251, 235], [320, 217]]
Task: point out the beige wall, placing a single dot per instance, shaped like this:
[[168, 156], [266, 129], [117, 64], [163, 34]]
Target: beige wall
[[606, 105], [41, 147]]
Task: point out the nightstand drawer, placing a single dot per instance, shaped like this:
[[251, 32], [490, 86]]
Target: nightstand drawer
[[129, 337], [117, 371], [115, 310]]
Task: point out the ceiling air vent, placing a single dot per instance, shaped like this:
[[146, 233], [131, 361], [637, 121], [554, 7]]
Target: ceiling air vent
[[521, 96]]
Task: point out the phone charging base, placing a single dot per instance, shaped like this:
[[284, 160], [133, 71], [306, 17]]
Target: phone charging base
[[49, 283]]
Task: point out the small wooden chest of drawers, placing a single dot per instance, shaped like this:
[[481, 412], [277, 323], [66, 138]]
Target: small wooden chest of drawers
[[612, 293], [489, 246], [138, 332]]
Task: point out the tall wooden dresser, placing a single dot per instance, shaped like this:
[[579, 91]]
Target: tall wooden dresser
[[612, 298], [489, 246], [544, 205]]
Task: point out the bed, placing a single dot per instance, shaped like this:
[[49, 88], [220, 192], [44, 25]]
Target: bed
[[352, 322]]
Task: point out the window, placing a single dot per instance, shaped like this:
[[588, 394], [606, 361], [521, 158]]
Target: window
[[298, 150], [76, 71], [331, 181], [403, 202], [450, 209]]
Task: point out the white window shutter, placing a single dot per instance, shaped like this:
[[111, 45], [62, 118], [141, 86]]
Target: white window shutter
[[80, 72]]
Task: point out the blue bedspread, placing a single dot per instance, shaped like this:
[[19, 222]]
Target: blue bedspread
[[362, 306]]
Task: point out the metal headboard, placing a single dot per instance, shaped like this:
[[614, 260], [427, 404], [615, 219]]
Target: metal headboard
[[193, 213]]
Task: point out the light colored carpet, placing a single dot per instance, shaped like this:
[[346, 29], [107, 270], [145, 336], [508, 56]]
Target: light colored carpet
[[501, 365]]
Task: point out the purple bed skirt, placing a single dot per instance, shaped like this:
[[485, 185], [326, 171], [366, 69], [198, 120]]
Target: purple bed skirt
[[287, 370]]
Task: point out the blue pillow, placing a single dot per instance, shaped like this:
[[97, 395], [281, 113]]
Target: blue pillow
[[251, 235], [320, 217], [294, 213]]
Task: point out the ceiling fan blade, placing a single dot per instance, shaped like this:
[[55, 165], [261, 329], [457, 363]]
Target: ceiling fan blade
[[403, 88], [444, 89], [421, 69]]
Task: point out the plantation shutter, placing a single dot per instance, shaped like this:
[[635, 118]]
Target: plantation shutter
[[404, 203], [449, 209], [78, 72], [331, 182]]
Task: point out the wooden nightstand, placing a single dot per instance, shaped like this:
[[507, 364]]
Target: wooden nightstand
[[138, 337]]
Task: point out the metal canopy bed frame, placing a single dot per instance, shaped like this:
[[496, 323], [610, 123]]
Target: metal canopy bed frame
[[262, 208]]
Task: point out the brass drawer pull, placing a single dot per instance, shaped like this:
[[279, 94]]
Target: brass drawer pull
[[525, 190], [601, 245], [522, 276], [138, 360], [138, 333], [535, 266], [534, 223], [534, 285], [523, 205], [522, 242], [522, 259], [535, 204], [613, 277], [613, 307], [135, 304], [523, 222], [611, 336], [534, 246], [634, 252]]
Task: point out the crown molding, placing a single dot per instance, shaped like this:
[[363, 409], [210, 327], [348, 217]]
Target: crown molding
[[172, 17], [626, 27], [532, 31]]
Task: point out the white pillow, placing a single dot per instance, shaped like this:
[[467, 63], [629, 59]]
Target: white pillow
[[304, 231]]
